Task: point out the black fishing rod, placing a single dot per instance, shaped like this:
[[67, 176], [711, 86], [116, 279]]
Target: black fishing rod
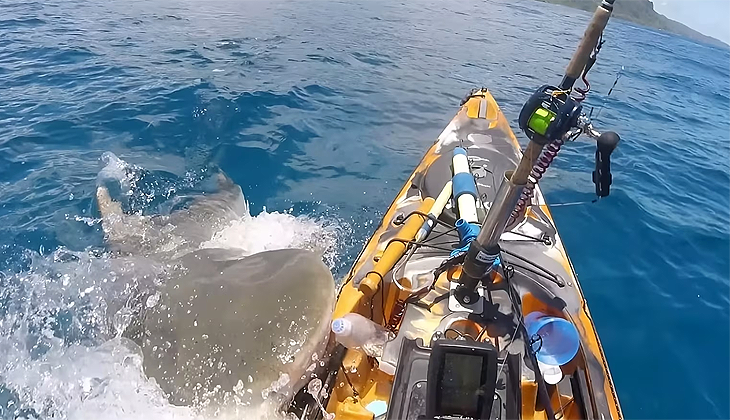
[[549, 118]]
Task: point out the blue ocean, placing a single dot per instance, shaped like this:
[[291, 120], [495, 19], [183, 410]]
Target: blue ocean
[[320, 110]]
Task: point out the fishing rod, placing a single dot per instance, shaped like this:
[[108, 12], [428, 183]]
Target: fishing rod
[[549, 118]]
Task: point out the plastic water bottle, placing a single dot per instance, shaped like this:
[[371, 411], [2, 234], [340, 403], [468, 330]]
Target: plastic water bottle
[[356, 331]]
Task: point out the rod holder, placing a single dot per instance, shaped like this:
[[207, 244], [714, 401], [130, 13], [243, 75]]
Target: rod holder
[[484, 250]]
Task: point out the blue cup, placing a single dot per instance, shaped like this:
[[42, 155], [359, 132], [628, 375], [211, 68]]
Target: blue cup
[[555, 340]]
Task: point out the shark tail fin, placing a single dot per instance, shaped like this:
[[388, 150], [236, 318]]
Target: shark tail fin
[[112, 215], [107, 206]]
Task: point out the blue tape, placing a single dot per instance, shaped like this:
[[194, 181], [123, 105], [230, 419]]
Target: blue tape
[[463, 183], [463, 250], [459, 151]]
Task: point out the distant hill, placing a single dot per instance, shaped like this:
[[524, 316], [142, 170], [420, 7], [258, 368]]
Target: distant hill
[[643, 13]]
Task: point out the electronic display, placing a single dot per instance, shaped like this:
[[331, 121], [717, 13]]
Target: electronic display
[[461, 384], [461, 379]]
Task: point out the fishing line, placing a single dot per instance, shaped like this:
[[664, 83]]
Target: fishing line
[[618, 76], [575, 203]]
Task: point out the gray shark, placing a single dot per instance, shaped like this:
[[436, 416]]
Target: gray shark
[[218, 327]]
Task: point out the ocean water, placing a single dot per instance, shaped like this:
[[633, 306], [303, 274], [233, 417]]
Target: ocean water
[[320, 110]]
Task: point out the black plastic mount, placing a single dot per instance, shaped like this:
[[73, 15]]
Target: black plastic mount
[[412, 384], [477, 264]]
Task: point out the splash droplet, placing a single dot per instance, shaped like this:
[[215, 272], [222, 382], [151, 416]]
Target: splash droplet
[[152, 300]]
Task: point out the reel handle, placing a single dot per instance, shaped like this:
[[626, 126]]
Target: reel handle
[[605, 145]]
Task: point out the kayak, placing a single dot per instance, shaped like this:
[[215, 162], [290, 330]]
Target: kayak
[[542, 281], [464, 303]]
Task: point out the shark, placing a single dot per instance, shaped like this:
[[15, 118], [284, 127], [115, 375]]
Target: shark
[[218, 327]]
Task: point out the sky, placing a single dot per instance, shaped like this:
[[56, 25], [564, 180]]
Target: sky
[[711, 17]]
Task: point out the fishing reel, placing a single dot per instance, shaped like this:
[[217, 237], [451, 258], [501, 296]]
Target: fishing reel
[[550, 118], [549, 114]]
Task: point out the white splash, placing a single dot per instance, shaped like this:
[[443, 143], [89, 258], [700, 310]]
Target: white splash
[[270, 231], [61, 351], [116, 170]]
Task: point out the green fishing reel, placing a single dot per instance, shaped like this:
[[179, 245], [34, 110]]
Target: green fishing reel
[[549, 114]]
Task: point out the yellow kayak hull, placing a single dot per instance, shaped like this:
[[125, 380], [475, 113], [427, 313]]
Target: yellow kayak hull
[[369, 290]]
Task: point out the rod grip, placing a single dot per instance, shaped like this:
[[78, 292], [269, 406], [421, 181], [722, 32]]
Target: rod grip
[[587, 44]]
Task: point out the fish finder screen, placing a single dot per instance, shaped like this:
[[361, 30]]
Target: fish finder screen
[[460, 384]]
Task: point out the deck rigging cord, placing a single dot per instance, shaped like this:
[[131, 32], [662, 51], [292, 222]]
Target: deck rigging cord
[[399, 308], [400, 220], [355, 394]]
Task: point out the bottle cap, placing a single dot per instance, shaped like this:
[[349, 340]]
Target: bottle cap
[[341, 326]]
